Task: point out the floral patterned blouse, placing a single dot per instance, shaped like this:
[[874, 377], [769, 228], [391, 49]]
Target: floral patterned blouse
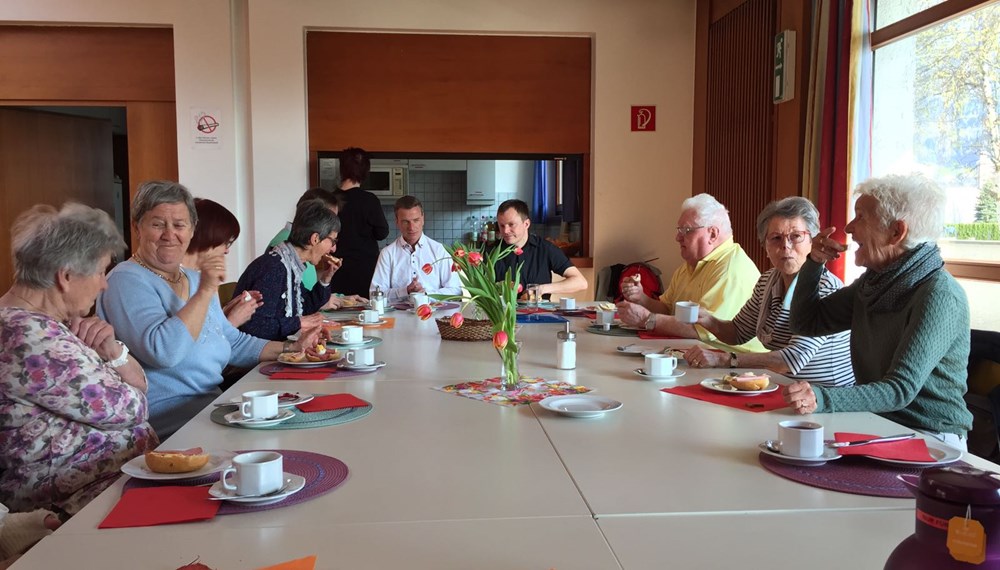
[[67, 420]]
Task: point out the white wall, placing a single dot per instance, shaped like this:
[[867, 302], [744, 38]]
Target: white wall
[[643, 54]]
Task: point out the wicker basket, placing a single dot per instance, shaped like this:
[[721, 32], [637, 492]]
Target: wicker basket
[[471, 329]]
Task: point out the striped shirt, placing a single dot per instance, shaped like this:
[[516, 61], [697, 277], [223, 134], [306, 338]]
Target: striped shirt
[[822, 360]]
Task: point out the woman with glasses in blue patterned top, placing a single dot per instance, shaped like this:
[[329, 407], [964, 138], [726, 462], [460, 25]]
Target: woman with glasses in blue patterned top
[[785, 228]]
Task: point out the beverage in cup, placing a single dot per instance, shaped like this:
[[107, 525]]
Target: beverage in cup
[[686, 312], [658, 364], [800, 439], [255, 473]]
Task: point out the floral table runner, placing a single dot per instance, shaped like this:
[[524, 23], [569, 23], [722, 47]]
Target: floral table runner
[[532, 390]]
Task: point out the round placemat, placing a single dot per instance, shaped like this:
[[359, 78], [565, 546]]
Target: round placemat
[[321, 472], [301, 420], [849, 474], [613, 331], [269, 369]]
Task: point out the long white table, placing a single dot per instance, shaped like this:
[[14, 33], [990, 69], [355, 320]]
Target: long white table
[[441, 481]]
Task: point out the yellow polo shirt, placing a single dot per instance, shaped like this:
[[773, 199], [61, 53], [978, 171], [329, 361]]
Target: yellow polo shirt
[[721, 282]]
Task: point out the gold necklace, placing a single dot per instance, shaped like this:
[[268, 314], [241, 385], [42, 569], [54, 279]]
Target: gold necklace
[[175, 280]]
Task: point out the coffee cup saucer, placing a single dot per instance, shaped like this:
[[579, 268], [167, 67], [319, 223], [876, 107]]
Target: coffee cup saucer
[[379, 322], [676, 374], [829, 454], [294, 484], [237, 418], [361, 367]]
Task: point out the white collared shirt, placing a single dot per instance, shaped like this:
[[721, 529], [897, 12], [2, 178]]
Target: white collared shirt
[[399, 263]]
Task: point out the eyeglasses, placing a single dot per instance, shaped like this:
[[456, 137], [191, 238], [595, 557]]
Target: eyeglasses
[[794, 238], [685, 230], [333, 240]]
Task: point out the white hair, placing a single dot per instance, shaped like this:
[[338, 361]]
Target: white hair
[[708, 212], [912, 198]]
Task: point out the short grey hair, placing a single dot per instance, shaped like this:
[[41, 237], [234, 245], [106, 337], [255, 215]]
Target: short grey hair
[[155, 192], [708, 212], [312, 217], [788, 209], [45, 241], [912, 198]]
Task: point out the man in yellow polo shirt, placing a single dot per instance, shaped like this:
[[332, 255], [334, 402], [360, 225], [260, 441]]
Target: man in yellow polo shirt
[[717, 274]]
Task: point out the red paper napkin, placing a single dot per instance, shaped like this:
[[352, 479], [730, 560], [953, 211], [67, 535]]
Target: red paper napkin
[[762, 403], [322, 374], [150, 506], [907, 450], [332, 402]]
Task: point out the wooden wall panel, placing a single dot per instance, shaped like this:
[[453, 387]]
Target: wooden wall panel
[[448, 93], [152, 143], [46, 158], [739, 145], [44, 63]]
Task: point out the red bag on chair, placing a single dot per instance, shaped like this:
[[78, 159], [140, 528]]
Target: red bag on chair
[[649, 279]]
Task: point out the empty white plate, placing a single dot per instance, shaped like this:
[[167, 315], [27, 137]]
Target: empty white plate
[[580, 405]]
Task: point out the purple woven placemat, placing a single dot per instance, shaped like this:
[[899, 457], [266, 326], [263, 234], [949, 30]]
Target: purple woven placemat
[[849, 474], [269, 369], [321, 472]]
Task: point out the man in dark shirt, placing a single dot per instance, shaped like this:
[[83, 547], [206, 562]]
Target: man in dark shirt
[[541, 258]]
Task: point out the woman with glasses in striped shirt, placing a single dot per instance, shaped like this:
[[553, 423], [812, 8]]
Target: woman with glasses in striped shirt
[[785, 228]]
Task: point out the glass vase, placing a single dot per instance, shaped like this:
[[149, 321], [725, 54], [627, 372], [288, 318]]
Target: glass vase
[[510, 375]]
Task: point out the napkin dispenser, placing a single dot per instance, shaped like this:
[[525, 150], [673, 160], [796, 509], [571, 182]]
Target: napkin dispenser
[[957, 520]]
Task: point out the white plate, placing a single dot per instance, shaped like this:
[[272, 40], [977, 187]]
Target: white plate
[[644, 350], [364, 341], [296, 484], [361, 367], [829, 454], [300, 398], [237, 418], [217, 461], [941, 453], [307, 364], [719, 386], [580, 405], [642, 372]]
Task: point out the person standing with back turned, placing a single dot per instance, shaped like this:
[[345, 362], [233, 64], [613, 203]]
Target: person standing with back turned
[[363, 224]]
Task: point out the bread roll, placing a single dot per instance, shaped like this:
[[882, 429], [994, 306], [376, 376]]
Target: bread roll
[[748, 381], [183, 461]]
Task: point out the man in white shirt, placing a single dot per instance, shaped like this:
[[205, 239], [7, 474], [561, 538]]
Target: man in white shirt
[[400, 268]]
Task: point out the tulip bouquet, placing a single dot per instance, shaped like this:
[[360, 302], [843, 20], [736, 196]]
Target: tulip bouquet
[[496, 299]]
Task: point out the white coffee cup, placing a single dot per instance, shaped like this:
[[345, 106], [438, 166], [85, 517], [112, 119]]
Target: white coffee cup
[[360, 356], [257, 473], [567, 303], [686, 311], [369, 316], [800, 439], [259, 404], [417, 299], [605, 318], [658, 364], [351, 334]]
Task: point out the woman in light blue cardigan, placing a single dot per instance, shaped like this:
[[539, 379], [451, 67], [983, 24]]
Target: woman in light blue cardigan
[[170, 316]]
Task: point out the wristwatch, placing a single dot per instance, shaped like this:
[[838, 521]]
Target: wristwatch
[[651, 322], [122, 359], [733, 361]]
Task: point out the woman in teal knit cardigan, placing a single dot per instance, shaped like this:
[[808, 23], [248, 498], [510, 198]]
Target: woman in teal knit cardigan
[[909, 319]]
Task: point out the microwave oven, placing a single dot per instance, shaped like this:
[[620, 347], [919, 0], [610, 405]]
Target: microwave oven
[[387, 178]]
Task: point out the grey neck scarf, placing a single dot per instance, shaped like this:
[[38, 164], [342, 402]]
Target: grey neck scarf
[[888, 290]]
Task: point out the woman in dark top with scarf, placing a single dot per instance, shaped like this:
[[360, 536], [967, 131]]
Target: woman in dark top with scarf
[[287, 305], [909, 319], [363, 224]]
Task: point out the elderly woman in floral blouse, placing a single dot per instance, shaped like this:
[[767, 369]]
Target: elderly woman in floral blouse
[[72, 402]]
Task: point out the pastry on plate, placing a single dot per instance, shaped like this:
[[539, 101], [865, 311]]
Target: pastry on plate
[[748, 381]]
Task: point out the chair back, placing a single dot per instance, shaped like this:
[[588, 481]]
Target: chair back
[[226, 292]]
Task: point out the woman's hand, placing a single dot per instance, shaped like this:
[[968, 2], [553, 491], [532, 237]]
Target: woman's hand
[[311, 321], [632, 314], [633, 292], [213, 272], [800, 396], [327, 267], [824, 248], [98, 335], [700, 357], [308, 338], [241, 307]]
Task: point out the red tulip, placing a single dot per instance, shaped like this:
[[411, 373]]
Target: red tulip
[[520, 288], [454, 267], [457, 319], [475, 258], [459, 252], [427, 268], [518, 251], [424, 312], [500, 340]]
